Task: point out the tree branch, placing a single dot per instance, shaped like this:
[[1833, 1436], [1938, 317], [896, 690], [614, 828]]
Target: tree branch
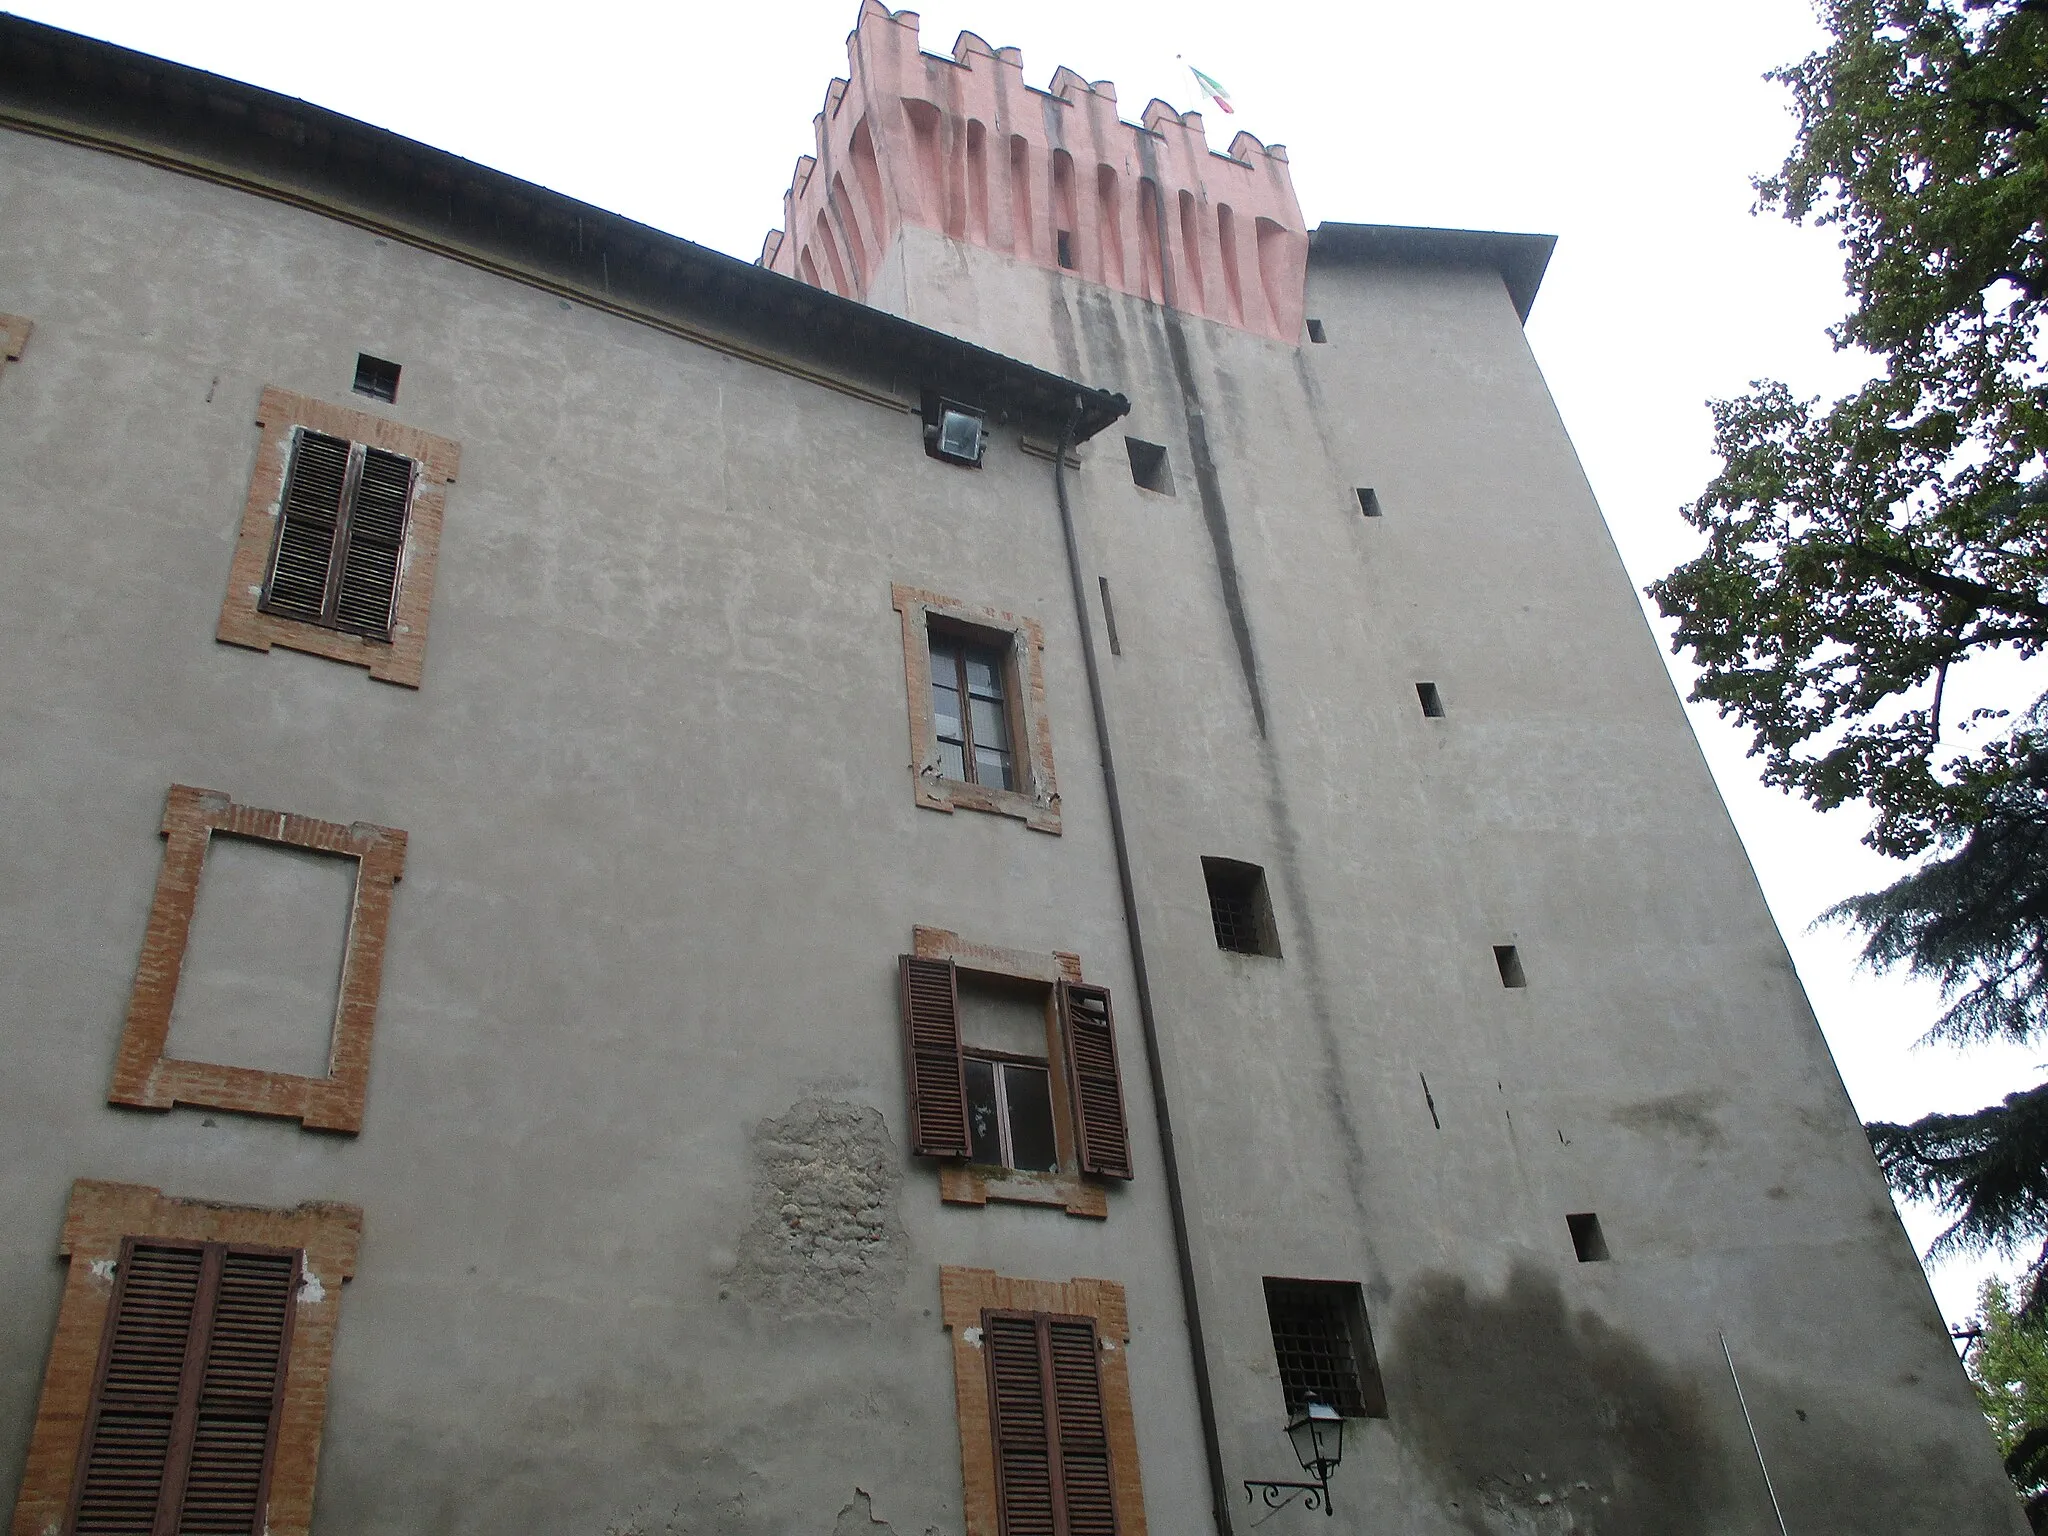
[[1977, 594]]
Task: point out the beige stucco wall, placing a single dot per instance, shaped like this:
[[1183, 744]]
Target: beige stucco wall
[[663, 851], [1662, 1068], [662, 856]]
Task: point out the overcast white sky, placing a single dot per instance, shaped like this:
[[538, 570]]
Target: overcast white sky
[[1629, 130]]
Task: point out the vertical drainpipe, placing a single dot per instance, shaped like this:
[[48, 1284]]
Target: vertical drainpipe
[[1191, 1308]]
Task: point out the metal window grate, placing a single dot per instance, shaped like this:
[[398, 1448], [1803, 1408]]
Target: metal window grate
[[1323, 1348], [1238, 907]]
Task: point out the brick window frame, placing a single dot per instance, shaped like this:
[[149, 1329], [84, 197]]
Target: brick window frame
[[146, 1078], [14, 333], [964, 1295], [1037, 803], [975, 1184], [100, 1215], [243, 622]]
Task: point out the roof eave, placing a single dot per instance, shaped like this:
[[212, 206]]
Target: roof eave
[[61, 85], [1521, 260]]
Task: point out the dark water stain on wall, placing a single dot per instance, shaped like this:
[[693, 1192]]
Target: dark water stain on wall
[[1533, 1418]]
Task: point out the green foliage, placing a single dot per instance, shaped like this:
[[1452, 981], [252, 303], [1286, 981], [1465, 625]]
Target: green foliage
[[1985, 1169], [2008, 1365], [1976, 920], [1856, 552]]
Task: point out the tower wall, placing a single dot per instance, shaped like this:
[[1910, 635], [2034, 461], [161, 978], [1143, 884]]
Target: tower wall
[[964, 148]]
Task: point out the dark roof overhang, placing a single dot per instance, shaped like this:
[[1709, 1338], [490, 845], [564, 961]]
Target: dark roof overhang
[[64, 86], [1519, 259]]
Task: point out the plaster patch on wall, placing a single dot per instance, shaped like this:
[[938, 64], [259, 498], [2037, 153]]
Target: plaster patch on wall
[[1690, 1115], [103, 1269], [311, 1291], [826, 1238]]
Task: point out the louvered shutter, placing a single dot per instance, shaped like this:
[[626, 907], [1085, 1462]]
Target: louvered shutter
[[308, 525], [184, 1413], [1093, 1080], [1083, 1435], [931, 1043], [1025, 1490], [130, 1427], [375, 544], [240, 1394]]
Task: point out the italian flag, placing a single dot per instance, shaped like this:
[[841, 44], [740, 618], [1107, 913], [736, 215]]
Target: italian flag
[[1211, 88]]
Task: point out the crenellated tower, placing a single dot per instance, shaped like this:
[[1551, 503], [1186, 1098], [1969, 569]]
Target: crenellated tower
[[961, 147]]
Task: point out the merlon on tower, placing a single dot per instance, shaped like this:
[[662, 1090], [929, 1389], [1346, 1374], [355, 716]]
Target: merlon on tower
[[963, 147]]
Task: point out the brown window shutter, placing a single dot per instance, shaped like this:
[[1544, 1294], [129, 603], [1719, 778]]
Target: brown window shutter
[[241, 1394], [137, 1395], [931, 1043], [375, 544], [307, 528], [1083, 1438], [1026, 1492], [1093, 1080], [1051, 1439], [184, 1411]]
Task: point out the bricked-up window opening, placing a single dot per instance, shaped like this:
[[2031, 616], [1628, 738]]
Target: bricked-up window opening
[[1588, 1241], [1009, 1114], [1368, 501], [182, 1428], [971, 711], [1053, 1474], [1432, 700], [376, 378], [1509, 959], [1323, 1345], [1149, 467], [1316, 333], [1066, 245], [340, 536], [1240, 908]]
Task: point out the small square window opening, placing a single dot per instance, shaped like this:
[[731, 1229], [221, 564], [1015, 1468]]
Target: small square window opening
[[1323, 1346], [1432, 701], [1316, 333], [1066, 242], [1239, 907], [971, 711], [1368, 501], [1149, 468], [1509, 959], [376, 378], [1588, 1241]]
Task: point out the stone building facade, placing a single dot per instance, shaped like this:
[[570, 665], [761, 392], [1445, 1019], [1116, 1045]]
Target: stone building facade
[[920, 886]]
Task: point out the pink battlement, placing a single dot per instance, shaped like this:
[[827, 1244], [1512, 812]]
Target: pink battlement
[[964, 147]]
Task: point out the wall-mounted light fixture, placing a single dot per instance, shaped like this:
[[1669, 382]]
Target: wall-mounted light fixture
[[1317, 1434], [954, 432]]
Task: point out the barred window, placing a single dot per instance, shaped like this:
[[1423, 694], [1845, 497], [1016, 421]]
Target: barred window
[[1323, 1345], [1239, 908]]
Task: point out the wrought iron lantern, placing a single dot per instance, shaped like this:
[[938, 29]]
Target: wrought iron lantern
[[1317, 1434]]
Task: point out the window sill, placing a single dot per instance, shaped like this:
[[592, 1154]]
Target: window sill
[[975, 1184], [938, 794]]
